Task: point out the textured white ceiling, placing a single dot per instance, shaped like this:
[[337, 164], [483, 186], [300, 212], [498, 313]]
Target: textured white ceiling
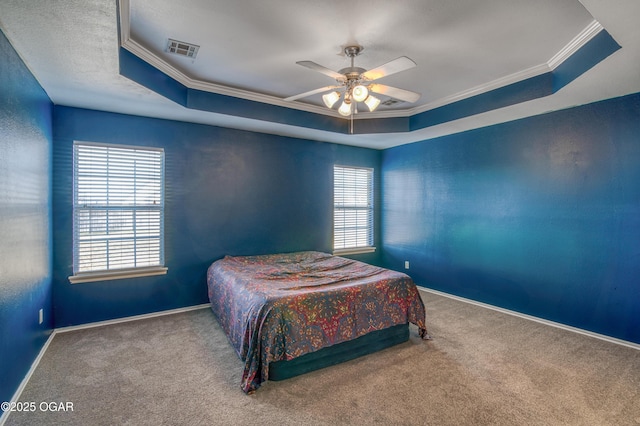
[[71, 46], [457, 45]]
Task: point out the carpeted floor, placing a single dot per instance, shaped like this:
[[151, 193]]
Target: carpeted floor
[[482, 368]]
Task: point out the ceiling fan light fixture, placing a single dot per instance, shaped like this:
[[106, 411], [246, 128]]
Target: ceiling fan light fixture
[[372, 102], [330, 99], [355, 84], [360, 93], [345, 109]]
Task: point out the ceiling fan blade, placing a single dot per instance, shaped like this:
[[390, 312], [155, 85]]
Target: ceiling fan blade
[[394, 92], [400, 64], [324, 70], [311, 92]]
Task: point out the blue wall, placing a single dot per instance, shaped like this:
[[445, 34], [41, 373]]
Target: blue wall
[[227, 192], [539, 215], [25, 213]]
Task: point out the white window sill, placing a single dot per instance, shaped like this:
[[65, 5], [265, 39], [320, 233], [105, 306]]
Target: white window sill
[[88, 277], [354, 250]]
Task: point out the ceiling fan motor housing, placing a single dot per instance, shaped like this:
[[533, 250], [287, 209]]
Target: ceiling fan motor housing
[[353, 51], [352, 73]]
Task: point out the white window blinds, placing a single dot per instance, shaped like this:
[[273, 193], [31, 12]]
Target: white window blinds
[[353, 207], [118, 207]]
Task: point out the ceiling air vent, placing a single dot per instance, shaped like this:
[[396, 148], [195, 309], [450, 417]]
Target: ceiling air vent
[[391, 101], [183, 49]]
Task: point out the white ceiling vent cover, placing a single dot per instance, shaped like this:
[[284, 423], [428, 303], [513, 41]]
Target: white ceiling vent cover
[[183, 49]]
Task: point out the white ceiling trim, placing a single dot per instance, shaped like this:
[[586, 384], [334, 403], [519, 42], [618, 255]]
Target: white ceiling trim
[[140, 51], [486, 87], [135, 48], [149, 57], [574, 45]]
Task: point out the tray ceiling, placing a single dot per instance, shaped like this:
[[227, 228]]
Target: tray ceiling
[[249, 50]]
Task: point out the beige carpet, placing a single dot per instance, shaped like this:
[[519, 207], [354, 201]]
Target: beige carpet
[[482, 368]]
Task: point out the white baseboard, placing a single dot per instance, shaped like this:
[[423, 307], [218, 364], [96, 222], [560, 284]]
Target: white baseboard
[[536, 319], [128, 319], [16, 396]]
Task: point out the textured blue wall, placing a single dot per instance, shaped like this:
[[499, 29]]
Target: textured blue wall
[[227, 192], [539, 215], [25, 219]]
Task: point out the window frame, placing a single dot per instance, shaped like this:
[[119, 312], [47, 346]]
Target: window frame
[[117, 273], [357, 249]]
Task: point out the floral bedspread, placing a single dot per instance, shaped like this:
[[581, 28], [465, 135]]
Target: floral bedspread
[[278, 307]]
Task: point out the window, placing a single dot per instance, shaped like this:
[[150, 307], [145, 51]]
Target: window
[[352, 209], [118, 211]]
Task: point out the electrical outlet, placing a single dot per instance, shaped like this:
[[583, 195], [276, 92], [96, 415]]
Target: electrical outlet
[[406, 264], [41, 316]]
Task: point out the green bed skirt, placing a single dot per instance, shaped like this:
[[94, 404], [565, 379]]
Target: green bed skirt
[[345, 351]]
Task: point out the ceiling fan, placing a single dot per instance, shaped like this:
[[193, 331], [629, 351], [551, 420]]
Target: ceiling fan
[[357, 84]]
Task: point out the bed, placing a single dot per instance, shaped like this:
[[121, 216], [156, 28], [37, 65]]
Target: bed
[[287, 314]]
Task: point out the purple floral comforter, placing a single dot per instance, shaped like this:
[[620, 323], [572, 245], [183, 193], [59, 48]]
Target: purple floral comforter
[[278, 307]]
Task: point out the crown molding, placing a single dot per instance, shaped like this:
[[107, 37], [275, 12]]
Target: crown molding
[[152, 59], [124, 11], [486, 87], [143, 53], [574, 45]]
